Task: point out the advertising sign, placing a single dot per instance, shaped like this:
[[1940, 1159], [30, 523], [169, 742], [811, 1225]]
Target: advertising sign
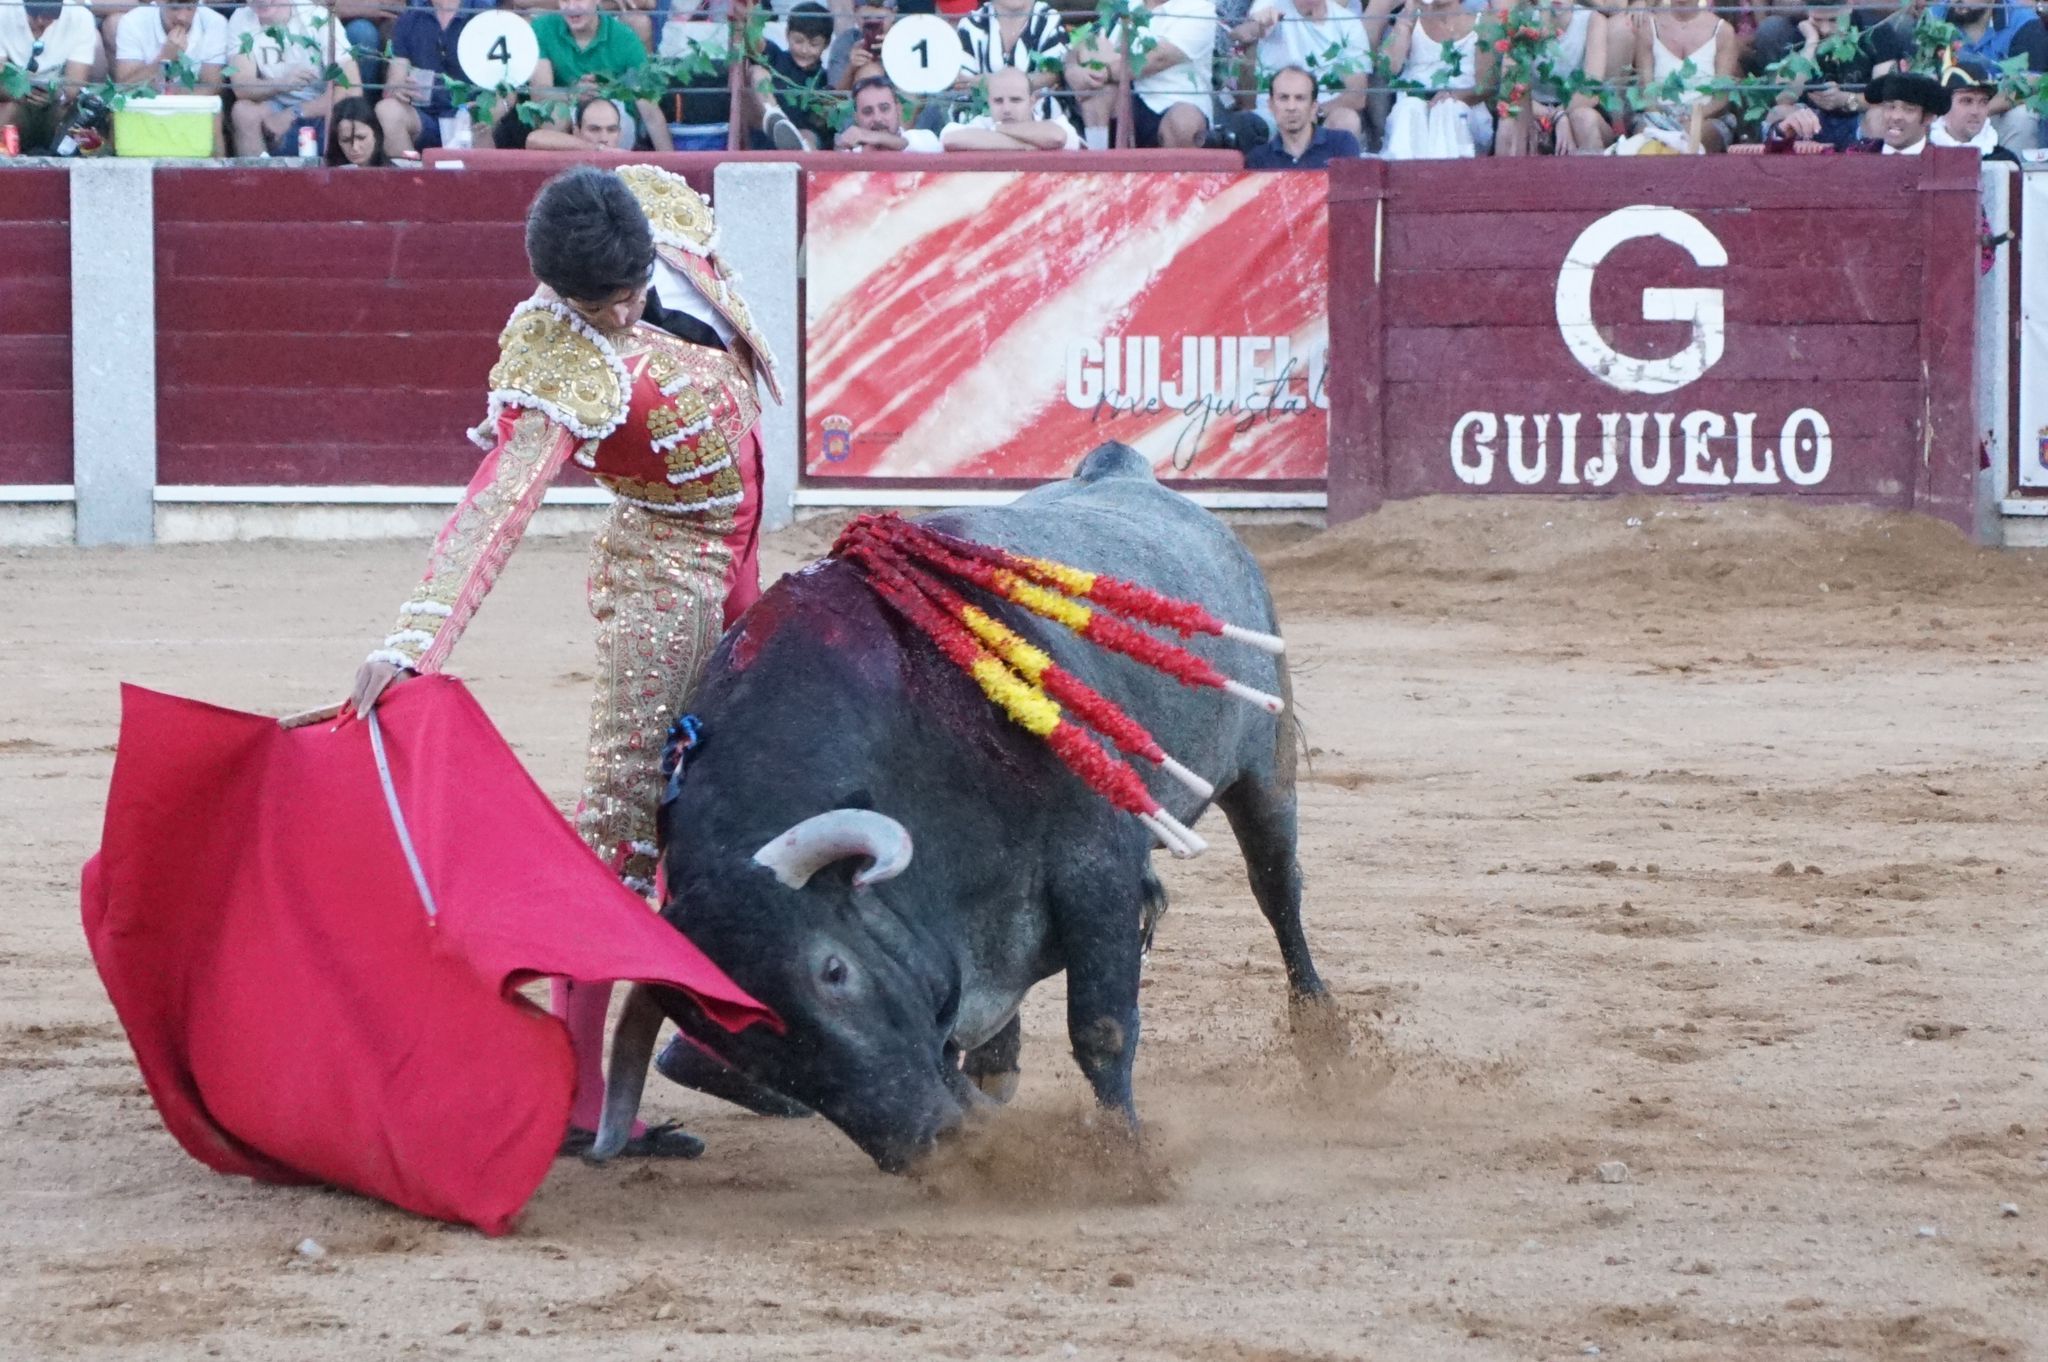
[[998, 325]]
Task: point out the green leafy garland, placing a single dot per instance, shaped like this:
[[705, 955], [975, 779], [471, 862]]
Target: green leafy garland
[[1522, 39]]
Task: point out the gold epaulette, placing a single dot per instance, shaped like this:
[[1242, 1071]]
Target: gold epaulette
[[550, 360], [679, 215]]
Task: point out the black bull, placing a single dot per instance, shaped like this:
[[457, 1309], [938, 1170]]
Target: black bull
[[899, 976]]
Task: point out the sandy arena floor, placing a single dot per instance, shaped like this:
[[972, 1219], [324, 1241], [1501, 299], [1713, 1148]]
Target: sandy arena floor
[[1680, 866]]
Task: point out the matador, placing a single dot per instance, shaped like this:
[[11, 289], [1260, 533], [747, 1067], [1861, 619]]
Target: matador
[[637, 360]]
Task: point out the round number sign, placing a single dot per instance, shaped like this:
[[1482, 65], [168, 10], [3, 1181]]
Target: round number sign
[[497, 47], [921, 55]]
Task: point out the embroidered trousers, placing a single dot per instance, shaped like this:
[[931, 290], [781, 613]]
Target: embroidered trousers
[[662, 588]]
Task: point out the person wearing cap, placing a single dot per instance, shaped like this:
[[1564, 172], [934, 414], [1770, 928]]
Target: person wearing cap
[[1995, 34], [1971, 86], [1907, 103]]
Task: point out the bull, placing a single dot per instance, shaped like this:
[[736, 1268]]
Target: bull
[[837, 739]]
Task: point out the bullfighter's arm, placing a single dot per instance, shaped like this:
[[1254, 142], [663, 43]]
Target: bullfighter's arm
[[478, 539]]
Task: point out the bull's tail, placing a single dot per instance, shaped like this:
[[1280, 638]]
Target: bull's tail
[[1112, 460]]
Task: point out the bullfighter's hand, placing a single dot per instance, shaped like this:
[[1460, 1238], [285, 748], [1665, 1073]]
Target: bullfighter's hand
[[372, 680]]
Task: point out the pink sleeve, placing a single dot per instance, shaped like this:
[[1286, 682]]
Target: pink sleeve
[[478, 539]]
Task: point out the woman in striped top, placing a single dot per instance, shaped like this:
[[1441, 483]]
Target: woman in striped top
[[1025, 34]]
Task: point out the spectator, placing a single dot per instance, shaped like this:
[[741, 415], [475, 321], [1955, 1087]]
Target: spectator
[[577, 47], [1019, 35], [367, 24], [1173, 86], [280, 80], [856, 51], [1994, 34], [1893, 33], [878, 122], [1575, 43], [55, 44], [1906, 103], [1831, 110], [1327, 39], [423, 60], [1299, 144], [1971, 86], [358, 141], [787, 87], [1011, 123], [1697, 47], [175, 46], [1435, 44], [638, 17], [596, 126]]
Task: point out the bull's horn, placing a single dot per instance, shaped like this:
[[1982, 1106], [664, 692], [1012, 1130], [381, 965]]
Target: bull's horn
[[823, 838]]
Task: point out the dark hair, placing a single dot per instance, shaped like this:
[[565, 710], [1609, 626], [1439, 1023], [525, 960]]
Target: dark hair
[[354, 109], [812, 20], [869, 83], [42, 9], [584, 105], [586, 237]]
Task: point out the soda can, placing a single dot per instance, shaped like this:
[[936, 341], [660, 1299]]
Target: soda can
[[309, 145], [10, 140]]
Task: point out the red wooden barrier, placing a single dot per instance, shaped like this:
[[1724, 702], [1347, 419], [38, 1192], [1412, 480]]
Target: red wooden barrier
[[35, 327], [690, 164], [1740, 326], [331, 327]]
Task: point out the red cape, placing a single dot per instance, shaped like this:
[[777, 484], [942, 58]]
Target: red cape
[[298, 1015]]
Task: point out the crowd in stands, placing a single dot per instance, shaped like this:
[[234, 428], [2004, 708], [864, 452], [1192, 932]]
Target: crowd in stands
[[1291, 83]]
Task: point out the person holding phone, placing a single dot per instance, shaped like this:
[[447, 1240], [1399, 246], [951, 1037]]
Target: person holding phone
[[856, 51]]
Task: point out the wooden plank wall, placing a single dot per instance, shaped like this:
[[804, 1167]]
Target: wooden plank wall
[[35, 326], [1822, 294], [332, 327]]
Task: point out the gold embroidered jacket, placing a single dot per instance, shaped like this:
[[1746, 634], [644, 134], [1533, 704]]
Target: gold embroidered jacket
[[657, 420]]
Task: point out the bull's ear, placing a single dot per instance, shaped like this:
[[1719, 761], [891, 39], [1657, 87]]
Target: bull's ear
[[835, 835]]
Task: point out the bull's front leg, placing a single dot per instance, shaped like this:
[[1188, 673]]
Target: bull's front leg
[[1098, 906]]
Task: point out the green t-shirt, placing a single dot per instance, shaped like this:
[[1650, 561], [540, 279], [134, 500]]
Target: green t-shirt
[[613, 52]]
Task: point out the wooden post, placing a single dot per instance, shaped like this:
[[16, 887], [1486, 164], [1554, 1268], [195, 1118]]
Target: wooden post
[[1355, 374], [1946, 484], [736, 78]]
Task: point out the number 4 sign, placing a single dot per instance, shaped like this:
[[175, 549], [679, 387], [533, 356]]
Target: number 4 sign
[[497, 48], [921, 55]]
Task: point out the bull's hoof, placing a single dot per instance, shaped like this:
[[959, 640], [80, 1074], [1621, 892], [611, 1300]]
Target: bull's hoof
[[665, 1141], [699, 1070], [999, 1087]]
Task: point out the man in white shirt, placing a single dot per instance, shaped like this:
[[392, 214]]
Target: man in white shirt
[[281, 78], [1008, 125], [56, 45], [1327, 39], [1971, 87], [1172, 86], [175, 46], [878, 122]]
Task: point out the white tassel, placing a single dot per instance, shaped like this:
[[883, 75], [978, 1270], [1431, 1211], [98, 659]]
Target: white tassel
[[1202, 788], [1190, 843], [1270, 703], [1269, 643], [1164, 837]]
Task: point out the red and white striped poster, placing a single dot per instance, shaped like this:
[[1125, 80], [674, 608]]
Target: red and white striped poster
[[998, 325]]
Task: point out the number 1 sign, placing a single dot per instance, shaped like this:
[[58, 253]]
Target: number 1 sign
[[921, 55]]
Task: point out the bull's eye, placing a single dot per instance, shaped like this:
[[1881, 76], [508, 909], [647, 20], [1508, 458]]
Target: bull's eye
[[834, 971]]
